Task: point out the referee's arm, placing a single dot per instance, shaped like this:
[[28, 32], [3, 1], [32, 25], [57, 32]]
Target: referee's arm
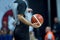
[[22, 19]]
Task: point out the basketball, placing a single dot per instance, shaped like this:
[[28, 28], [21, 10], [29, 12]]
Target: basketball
[[37, 18]]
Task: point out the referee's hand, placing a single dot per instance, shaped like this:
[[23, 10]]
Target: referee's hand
[[35, 25]]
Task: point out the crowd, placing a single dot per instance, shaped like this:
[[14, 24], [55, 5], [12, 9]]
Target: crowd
[[51, 33], [6, 32]]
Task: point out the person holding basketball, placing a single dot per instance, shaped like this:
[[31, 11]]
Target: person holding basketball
[[21, 31]]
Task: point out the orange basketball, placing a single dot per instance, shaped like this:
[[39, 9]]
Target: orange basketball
[[37, 18]]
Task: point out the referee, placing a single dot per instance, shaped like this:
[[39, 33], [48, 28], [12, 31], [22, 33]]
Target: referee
[[21, 31]]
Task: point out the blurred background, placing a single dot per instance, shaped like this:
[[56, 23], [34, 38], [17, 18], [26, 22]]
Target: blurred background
[[49, 9]]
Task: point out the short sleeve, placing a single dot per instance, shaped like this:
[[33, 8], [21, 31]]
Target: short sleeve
[[21, 7]]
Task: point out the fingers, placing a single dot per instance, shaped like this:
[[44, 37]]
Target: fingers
[[36, 23]]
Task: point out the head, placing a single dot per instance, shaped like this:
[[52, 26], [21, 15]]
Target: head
[[55, 20], [48, 29]]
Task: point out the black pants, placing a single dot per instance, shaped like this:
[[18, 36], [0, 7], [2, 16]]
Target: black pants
[[20, 34]]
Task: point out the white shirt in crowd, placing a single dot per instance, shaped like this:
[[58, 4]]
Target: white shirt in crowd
[[49, 36], [11, 23]]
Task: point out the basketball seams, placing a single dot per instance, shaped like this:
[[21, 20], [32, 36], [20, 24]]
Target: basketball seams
[[37, 19]]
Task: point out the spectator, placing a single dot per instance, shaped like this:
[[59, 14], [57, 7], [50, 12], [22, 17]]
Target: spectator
[[5, 34], [56, 28], [49, 34], [11, 24]]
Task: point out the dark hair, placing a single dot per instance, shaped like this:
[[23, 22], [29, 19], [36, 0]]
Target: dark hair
[[21, 7]]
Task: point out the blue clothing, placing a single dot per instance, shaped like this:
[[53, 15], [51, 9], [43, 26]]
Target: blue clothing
[[6, 37], [0, 37]]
